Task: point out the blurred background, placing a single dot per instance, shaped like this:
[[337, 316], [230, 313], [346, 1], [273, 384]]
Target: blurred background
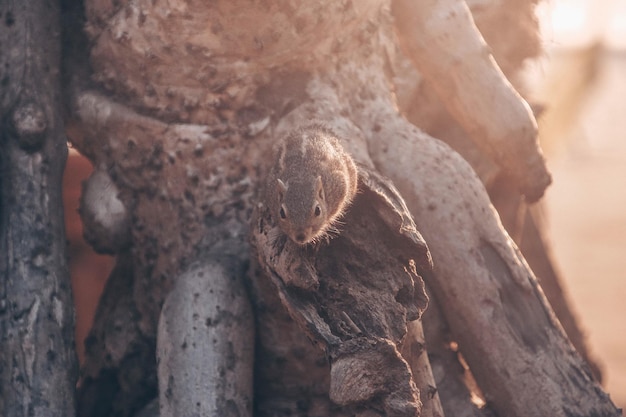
[[582, 84]]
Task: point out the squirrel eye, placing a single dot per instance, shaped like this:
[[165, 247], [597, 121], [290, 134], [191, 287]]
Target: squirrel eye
[[318, 211], [282, 213]]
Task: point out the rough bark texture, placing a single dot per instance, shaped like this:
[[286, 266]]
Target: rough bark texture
[[458, 397], [476, 261], [205, 350], [524, 224], [414, 352], [182, 118], [500, 317], [512, 33], [355, 294], [37, 357]]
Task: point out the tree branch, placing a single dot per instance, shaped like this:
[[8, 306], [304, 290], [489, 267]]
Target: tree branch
[[444, 44], [38, 362]]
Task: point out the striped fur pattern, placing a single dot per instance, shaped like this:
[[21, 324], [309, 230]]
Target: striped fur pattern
[[312, 182]]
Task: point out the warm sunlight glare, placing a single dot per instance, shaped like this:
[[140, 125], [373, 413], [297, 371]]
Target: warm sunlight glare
[[615, 35], [579, 23], [582, 82]]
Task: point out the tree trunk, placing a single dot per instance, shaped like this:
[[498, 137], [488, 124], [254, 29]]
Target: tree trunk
[[355, 295], [512, 33], [497, 312], [37, 360], [205, 349], [189, 98], [524, 224]]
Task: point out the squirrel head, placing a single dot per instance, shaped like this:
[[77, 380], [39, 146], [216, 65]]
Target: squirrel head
[[302, 209]]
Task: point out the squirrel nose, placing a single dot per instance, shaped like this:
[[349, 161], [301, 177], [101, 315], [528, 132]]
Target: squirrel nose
[[300, 237]]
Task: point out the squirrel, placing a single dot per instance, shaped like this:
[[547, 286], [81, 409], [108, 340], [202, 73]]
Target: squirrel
[[311, 184]]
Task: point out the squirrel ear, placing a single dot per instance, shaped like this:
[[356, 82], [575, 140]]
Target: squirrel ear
[[282, 188], [319, 188]]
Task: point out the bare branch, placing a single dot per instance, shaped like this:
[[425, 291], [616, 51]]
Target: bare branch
[[441, 39]]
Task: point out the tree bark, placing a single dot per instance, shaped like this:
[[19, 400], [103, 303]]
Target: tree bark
[[188, 150], [458, 398], [472, 256], [354, 295], [512, 32], [523, 223], [37, 361], [506, 330], [440, 37], [205, 349]]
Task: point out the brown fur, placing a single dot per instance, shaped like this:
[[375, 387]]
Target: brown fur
[[312, 182]]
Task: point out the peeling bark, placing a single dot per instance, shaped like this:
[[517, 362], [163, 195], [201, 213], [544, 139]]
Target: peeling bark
[[366, 289]]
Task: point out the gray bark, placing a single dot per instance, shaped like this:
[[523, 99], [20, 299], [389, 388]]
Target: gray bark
[[37, 357], [205, 349]]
